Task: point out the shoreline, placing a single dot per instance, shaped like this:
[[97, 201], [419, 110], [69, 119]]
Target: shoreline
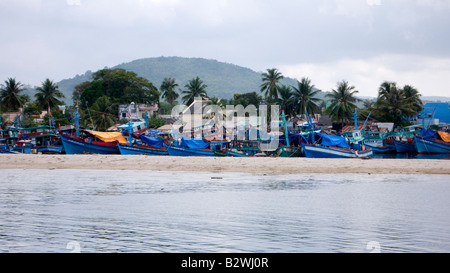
[[253, 165]]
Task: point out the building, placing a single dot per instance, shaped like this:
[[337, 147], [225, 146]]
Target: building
[[435, 113], [137, 111]]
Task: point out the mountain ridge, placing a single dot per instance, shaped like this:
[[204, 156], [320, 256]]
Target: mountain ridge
[[223, 79]]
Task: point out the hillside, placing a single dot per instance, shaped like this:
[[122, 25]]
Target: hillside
[[223, 79]]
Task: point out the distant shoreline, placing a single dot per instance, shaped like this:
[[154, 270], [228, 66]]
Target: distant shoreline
[[253, 165]]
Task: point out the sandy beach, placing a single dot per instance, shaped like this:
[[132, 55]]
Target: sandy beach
[[263, 165]]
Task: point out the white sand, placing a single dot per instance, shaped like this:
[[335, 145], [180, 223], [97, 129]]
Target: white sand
[[264, 165]]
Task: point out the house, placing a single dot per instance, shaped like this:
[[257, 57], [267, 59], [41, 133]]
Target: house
[[137, 111]]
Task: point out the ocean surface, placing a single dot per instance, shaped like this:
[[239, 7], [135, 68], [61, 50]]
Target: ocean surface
[[91, 211]]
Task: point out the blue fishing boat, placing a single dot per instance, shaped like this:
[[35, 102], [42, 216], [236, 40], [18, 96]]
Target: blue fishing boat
[[404, 146], [77, 145], [434, 146], [334, 147], [381, 149], [432, 142], [319, 151], [4, 149], [142, 150], [378, 142], [190, 147], [183, 151], [229, 153], [287, 147]]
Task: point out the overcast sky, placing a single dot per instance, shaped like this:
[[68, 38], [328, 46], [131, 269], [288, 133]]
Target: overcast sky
[[362, 41]]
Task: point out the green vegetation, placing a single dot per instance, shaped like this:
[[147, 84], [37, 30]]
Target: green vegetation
[[48, 95], [304, 98], [168, 90], [99, 94], [343, 102], [195, 89], [10, 98], [270, 85]]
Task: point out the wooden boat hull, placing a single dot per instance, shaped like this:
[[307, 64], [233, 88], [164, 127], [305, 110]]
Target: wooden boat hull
[[26, 149], [289, 151], [75, 146], [50, 149], [424, 146], [228, 153], [137, 150], [5, 150], [179, 151], [382, 149], [319, 151], [404, 147]]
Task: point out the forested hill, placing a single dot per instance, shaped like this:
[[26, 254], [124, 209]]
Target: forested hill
[[223, 79]]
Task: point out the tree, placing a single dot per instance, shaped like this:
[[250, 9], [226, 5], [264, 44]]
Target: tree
[[10, 97], [247, 99], [285, 100], [196, 88], [342, 102], [78, 90], [392, 105], [303, 97], [48, 95], [168, 90], [270, 86], [102, 116], [412, 97], [120, 86]]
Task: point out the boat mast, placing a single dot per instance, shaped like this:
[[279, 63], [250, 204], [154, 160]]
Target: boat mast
[[366, 121], [77, 120], [283, 117], [355, 117], [146, 119]]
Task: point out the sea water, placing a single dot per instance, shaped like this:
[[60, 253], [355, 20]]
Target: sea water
[[177, 212]]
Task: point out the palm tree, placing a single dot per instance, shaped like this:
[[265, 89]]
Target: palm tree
[[412, 96], [48, 95], [9, 94], [392, 101], [303, 97], [285, 99], [102, 108], [168, 90], [196, 88], [270, 84], [342, 102]]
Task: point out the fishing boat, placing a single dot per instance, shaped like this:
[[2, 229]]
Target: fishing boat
[[229, 153], [151, 145], [432, 142], [44, 139], [4, 149], [141, 150], [405, 146], [378, 142], [190, 147], [184, 151], [93, 142], [334, 147], [288, 149]]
